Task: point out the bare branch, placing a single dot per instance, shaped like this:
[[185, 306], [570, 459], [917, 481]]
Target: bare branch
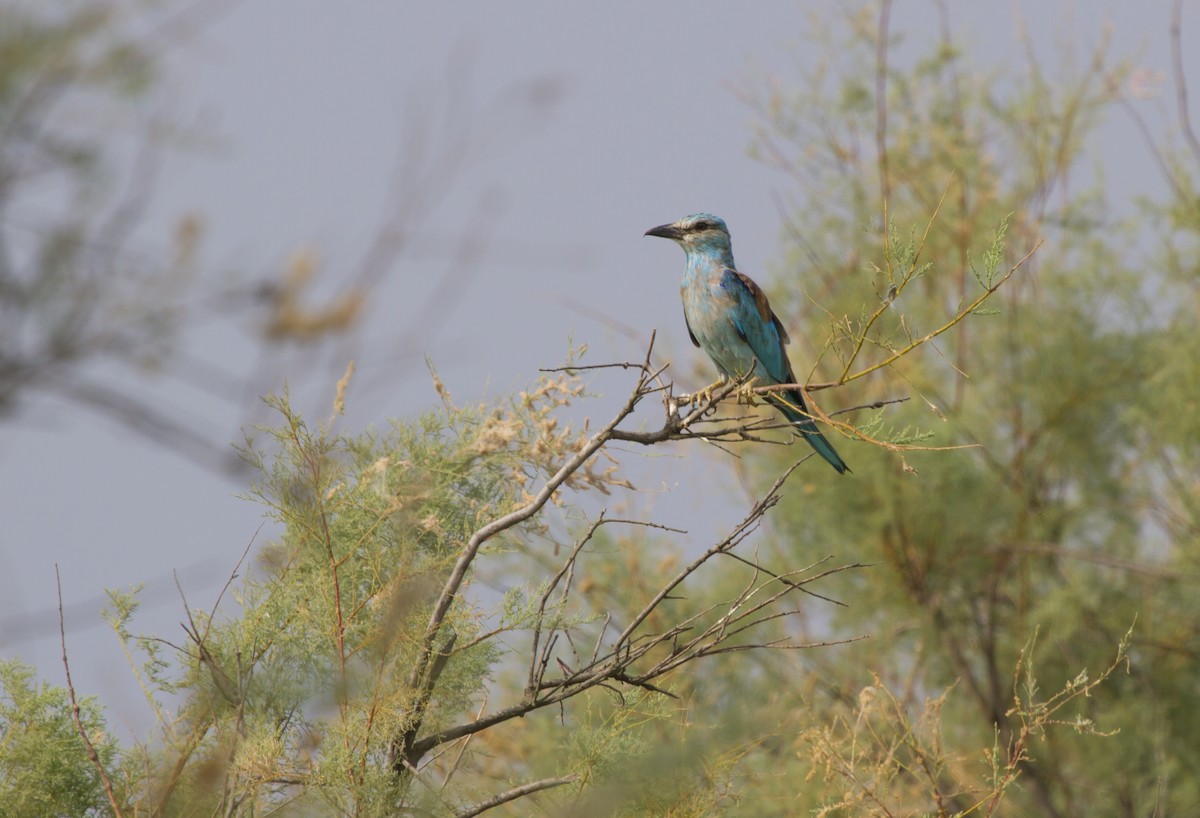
[[785, 580], [614, 662], [535, 659], [1181, 94], [885, 193], [515, 793], [92, 755], [471, 548], [879, 404]]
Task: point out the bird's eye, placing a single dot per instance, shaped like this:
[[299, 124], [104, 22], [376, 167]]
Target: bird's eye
[[702, 226]]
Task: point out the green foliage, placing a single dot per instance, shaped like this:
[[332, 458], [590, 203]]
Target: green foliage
[[363, 673], [371, 528], [307, 696], [992, 257], [1056, 520], [44, 770]]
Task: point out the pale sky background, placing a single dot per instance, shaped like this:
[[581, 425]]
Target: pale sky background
[[631, 123]]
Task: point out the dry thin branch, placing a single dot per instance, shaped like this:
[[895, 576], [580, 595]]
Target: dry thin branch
[[615, 661], [733, 538], [92, 755], [466, 557], [678, 427], [225, 686], [878, 404], [783, 579], [515, 793], [568, 567], [885, 10], [962, 313], [894, 289], [1181, 94]]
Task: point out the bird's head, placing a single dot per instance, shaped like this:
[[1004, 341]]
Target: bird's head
[[698, 233]]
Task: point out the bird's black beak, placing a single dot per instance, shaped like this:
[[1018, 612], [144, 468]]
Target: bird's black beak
[[665, 231]]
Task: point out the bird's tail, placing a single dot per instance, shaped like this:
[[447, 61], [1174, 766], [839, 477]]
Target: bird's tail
[[792, 405]]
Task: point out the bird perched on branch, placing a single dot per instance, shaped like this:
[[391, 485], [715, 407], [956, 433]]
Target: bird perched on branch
[[729, 318]]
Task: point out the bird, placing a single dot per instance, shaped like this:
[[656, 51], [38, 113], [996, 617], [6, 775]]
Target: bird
[[728, 316]]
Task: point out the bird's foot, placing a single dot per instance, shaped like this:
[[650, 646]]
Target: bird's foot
[[745, 392], [705, 395]]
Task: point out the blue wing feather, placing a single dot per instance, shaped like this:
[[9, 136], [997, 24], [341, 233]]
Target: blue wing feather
[[758, 327], [762, 331]]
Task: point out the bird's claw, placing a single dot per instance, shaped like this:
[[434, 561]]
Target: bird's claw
[[705, 396], [745, 392]]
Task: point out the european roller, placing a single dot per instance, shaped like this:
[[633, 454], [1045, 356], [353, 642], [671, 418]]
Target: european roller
[[729, 318]]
